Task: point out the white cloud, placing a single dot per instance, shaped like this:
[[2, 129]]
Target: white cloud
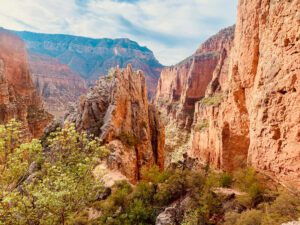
[[173, 29]]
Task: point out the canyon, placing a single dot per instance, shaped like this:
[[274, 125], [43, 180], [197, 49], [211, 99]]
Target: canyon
[[64, 66], [233, 103], [107, 135], [18, 97]]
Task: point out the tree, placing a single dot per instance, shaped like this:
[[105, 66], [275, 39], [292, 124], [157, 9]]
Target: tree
[[62, 190]]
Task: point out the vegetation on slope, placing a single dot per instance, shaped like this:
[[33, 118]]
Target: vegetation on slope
[[54, 184]]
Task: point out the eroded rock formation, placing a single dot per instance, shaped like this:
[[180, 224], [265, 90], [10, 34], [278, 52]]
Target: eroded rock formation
[[18, 98], [256, 119], [116, 110]]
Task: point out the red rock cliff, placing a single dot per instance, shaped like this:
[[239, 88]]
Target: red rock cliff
[[117, 111], [18, 98], [182, 85], [256, 120]]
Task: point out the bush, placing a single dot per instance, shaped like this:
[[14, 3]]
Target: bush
[[212, 100], [210, 205], [200, 127], [286, 207], [172, 188], [128, 138], [154, 175], [226, 180], [246, 180], [250, 217], [191, 218], [231, 218]]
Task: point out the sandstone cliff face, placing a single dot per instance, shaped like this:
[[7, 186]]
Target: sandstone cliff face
[[182, 85], [257, 119], [117, 111], [56, 83], [18, 98]]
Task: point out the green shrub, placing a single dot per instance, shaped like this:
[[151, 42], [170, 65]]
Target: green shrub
[[225, 180], [286, 207], [250, 217], [211, 181], [202, 126], [191, 218], [231, 218], [247, 180], [128, 138], [212, 100], [210, 204], [140, 212], [172, 188], [154, 175]]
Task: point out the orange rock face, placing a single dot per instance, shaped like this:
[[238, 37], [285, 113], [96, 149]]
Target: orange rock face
[[258, 119], [56, 83], [18, 98], [182, 85], [117, 111]]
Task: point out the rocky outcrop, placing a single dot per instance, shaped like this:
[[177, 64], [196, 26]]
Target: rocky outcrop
[[254, 119], [116, 110], [56, 83], [182, 85], [18, 98], [91, 58]]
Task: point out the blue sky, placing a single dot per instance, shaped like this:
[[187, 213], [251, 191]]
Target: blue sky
[[172, 29]]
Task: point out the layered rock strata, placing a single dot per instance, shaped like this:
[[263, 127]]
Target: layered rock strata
[[116, 109], [18, 97], [91, 58], [256, 119]]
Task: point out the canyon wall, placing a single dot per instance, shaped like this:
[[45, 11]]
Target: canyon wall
[[116, 109], [56, 83], [255, 118], [18, 98]]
